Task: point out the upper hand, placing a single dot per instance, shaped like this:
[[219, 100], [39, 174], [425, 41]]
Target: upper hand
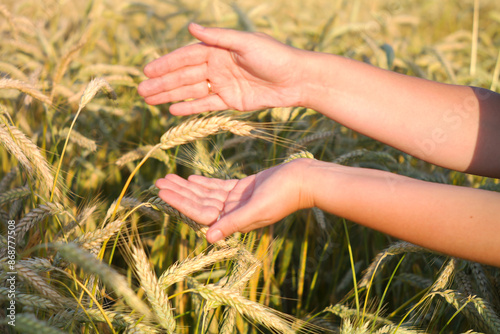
[[230, 206], [247, 71]]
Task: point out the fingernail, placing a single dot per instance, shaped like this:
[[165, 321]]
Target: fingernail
[[197, 26], [215, 236]]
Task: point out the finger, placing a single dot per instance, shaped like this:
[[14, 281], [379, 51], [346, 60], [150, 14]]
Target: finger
[[182, 77], [203, 195], [225, 38], [209, 103], [212, 183], [190, 55], [238, 220], [199, 212], [182, 93]]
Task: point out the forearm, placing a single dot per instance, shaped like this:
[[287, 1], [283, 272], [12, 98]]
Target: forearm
[[459, 221], [448, 125]]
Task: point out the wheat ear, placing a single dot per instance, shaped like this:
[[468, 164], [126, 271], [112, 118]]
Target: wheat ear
[[363, 154], [229, 321], [14, 194], [28, 154], [8, 16], [155, 294], [40, 285], [139, 153], [202, 127], [8, 178], [79, 139], [28, 323], [8, 141], [92, 89], [482, 281], [393, 249], [13, 71], [445, 277], [36, 215], [299, 155], [94, 239], [109, 276], [122, 320], [181, 270], [25, 88], [30, 300], [200, 230], [63, 64], [252, 310], [482, 313]]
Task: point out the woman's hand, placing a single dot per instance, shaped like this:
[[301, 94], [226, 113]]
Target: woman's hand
[[230, 206], [246, 71]]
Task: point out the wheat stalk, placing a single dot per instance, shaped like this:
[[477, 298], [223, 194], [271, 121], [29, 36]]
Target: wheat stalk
[[155, 294]]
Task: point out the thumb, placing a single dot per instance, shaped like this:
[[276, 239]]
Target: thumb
[[224, 38]]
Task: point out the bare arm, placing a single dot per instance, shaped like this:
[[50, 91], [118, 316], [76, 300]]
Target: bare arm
[[457, 127], [454, 220], [452, 126]]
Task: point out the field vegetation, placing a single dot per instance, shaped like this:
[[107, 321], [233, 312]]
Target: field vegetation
[[96, 251]]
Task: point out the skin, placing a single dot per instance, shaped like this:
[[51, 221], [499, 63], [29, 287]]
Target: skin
[[452, 126]]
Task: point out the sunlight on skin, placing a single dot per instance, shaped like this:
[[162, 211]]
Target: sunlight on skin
[[437, 122]]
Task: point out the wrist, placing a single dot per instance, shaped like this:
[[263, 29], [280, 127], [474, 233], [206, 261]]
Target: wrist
[[316, 79], [307, 181]]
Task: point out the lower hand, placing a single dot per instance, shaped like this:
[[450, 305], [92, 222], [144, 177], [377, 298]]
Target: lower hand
[[229, 206]]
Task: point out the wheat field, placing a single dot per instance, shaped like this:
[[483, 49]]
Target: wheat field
[[87, 246]]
